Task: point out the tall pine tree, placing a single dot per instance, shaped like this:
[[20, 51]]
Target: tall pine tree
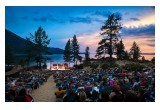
[[67, 52], [41, 41], [111, 28], [75, 49]]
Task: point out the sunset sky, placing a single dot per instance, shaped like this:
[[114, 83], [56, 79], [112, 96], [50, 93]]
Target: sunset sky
[[61, 23]]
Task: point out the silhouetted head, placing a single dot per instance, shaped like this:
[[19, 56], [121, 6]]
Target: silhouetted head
[[82, 96], [60, 88], [131, 96], [22, 92], [104, 95], [116, 88]]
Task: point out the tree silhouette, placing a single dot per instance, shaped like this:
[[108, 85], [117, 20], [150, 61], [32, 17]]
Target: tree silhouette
[[135, 51], [111, 28], [103, 49], [74, 49], [120, 50], [126, 55], [41, 41], [143, 59], [153, 60], [67, 52]]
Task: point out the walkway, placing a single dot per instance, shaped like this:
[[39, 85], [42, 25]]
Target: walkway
[[45, 93], [14, 70]]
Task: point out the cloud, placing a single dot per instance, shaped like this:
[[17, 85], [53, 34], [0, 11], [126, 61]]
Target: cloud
[[42, 19], [102, 13], [105, 13], [126, 13], [45, 19], [146, 30], [152, 40], [151, 45], [87, 39], [135, 19], [145, 46], [87, 20]]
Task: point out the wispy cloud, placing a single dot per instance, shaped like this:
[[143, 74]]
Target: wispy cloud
[[87, 20], [145, 46], [146, 30], [135, 19], [45, 18], [105, 13], [101, 13], [87, 39], [152, 40], [42, 19], [151, 45]]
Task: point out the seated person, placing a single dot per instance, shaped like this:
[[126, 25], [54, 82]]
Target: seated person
[[59, 94], [23, 96]]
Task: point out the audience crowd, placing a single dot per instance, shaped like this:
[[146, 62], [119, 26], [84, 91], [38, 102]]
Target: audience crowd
[[111, 85], [18, 88]]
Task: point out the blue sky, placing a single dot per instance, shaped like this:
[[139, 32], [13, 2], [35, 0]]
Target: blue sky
[[61, 23]]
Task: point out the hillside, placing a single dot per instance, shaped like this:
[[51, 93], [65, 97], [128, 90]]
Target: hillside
[[18, 44]]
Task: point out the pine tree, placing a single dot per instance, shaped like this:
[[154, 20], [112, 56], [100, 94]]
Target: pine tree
[[120, 50], [143, 59], [41, 41], [111, 28], [126, 56], [153, 60], [67, 52], [103, 49], [135, 51], [74, 49]]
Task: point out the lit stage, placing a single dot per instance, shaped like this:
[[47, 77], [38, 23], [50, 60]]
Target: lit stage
[[59, 66]]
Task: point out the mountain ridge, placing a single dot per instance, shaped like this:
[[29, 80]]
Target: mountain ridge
[[18, 44]]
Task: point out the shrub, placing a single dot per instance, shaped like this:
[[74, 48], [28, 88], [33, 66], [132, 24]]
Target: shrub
[[86, 63], [94, 66], [104, 66], [111, 65], [134, 66]]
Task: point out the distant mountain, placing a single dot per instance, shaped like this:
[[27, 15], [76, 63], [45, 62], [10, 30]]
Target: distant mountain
[[55, 50], [18, 44]]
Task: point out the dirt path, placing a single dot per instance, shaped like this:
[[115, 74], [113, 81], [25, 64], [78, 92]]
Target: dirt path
[[45, 93]]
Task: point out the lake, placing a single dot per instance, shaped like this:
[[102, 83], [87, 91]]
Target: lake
[[58, 58]]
